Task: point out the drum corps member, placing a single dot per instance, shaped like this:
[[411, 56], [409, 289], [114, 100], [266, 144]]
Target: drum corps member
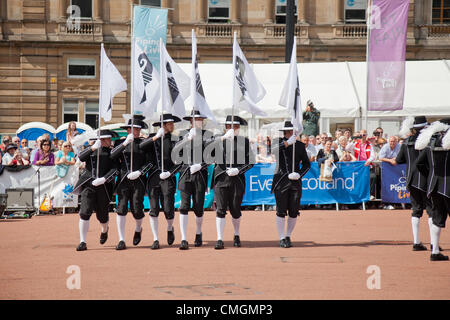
[[229, 182], [161, 181], [96, 191], [434, 162], [416, 181], [193, 179], [131, 184], [287, 184]]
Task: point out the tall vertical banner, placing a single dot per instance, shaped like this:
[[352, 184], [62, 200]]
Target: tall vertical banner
[[388, 24], [149, 25]]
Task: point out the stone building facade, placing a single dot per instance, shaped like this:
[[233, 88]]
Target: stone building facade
[[41, 58]]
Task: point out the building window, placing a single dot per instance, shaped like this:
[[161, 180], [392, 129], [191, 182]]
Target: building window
[[85, 8], [81, 68], [280, 11], [151, 3], [441, 12], [70, 110], [219, 11], [91, 115], [355, 11]]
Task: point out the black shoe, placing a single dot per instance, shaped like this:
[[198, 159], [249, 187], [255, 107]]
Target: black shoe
[[170, 237], [438, 257], [184, 245], [219, 245], [237, 241], [104, 237], [288, 242], [155, 245], [198, 240], [137, 238], [283, 243], [431, 248], [82, 246], [419, 247], [121, 245]]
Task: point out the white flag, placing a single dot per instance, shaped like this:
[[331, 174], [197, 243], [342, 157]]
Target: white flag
[[247, 89], [197, 94], [290, 97], [145, 83], [111, 83], [176, 85]]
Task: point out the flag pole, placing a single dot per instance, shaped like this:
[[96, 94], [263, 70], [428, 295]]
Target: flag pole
[[132, 80], [294, 54], [162, 99], [99, 107], [369, 15], [232, 97]]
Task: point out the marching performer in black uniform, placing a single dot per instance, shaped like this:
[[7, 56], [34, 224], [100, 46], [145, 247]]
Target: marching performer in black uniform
[[161, 179], [434, 162], [131, 184], [287, 184], [193, 179], [229, 183], [96, 191], [416, 181]]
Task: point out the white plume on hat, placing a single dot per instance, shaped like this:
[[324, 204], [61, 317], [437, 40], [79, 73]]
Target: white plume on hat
[[446, 140], [406, 127], [425, 135]]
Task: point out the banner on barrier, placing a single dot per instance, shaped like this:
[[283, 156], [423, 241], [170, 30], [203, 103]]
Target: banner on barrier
[[350, 184], [393, 183], [58, 188]]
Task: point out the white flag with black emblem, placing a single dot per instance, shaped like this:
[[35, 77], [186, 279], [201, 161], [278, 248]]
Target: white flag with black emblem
[[145, 83], [111, 83], [176, 85], [197, 94], [290, 97], [247, 89]]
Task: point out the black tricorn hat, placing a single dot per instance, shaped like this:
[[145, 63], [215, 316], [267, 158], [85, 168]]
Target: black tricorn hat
[[236, 120], [287, 126], [137, 120], [195, 114], [420, 122], [10, 146], [167, 117]]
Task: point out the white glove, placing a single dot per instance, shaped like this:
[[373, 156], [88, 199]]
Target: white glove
[[99, 181], [164, 175], [128, 140], [291, 140], [159, 133], [233, 172], [96, 145], [229, 135], [192, 133], [294, 176], [134, 175], [195, 167]]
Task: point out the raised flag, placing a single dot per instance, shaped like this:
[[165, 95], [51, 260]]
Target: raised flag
[[290, 96], [388, 24], [247, 89], [111, 83]]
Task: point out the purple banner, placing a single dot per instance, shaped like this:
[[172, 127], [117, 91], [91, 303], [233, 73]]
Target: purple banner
[[387, 51]]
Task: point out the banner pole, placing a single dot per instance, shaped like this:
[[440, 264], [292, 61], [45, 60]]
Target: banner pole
[[232, 102], [132, 80], [161, 66]]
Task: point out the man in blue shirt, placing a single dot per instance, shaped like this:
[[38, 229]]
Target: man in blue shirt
[[389, 151]]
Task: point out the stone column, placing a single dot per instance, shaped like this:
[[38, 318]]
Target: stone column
[[63, 4], [339, 12], [301, 11], [269, 11], [234, 11], [98, 10], [201, 10], [166, 4]]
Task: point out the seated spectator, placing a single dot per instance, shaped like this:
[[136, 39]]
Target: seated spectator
[[64, 159], [310, 149], [389, 151], [9, 156], [327, 154], [262, 156], [44, 156]]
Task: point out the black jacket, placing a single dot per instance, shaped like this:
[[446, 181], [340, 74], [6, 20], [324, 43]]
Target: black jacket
[[108, 168], [434, 163], [284, 163], [408, 154]]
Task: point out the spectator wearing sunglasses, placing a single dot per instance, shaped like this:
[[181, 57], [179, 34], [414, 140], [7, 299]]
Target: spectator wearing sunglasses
[[64, 159], [5, 142], [44, 156]]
